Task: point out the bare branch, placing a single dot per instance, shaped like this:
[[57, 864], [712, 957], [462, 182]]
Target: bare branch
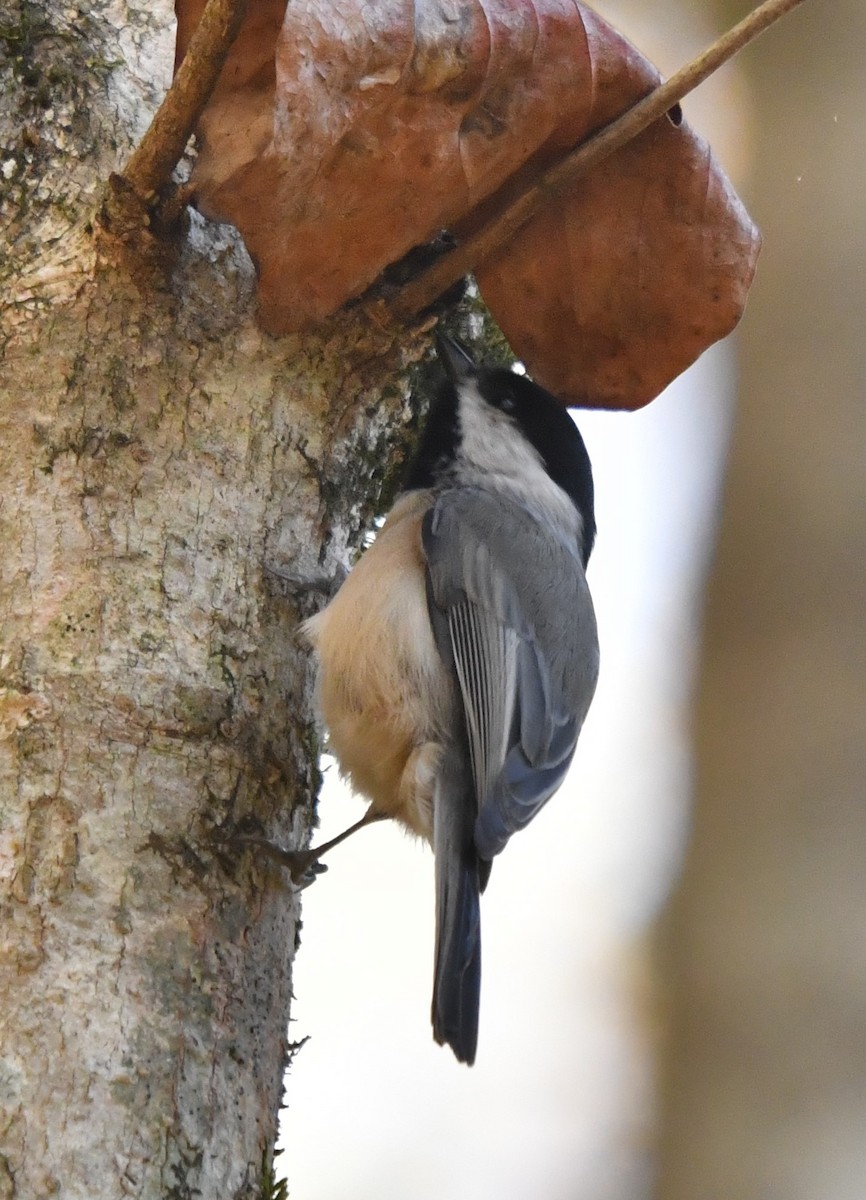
[[502, 226], [154, 159]]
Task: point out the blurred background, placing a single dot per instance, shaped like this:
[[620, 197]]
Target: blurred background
[[673, 1004]]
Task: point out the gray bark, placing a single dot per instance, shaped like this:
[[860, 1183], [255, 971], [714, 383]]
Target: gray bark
[[175, 491]]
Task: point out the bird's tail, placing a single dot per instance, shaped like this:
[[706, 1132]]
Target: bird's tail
[[457, 973]]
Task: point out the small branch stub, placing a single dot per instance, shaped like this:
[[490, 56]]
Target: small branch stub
[[140, 205]]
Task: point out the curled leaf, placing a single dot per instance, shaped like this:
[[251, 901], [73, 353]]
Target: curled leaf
[[341, 135]]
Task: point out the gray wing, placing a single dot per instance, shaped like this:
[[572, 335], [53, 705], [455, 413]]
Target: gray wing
[[512, 612]]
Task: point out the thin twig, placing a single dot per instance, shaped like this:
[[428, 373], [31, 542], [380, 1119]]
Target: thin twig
[[159, 151], [436, 279]]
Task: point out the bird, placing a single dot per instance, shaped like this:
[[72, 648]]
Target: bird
[[459, 658]]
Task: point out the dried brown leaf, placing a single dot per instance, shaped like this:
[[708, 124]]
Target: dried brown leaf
[[343, 133]]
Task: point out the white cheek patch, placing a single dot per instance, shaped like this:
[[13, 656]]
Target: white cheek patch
[[493, 448], [488, 438]]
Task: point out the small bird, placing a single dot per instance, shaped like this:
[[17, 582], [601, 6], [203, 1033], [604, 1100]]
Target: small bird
[[459, 658]]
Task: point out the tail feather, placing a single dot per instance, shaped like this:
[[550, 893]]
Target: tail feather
[[457, 973]]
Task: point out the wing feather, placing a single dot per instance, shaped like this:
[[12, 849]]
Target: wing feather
[[511, 610], [485, 656]]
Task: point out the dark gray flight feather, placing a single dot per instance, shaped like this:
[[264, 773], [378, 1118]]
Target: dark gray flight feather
[[457, 970]]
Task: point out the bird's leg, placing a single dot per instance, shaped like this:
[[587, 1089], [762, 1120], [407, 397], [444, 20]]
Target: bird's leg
[[304, 865]]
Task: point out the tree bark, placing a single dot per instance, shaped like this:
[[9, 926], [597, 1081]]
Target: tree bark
[[176, 492]]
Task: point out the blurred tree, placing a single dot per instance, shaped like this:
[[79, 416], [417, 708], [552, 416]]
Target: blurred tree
[[765, 1092]]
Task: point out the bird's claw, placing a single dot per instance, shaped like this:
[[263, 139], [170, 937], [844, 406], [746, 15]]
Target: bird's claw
[[303, 865]]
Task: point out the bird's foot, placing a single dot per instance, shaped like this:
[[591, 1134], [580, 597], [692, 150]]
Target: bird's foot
[[303, 865]]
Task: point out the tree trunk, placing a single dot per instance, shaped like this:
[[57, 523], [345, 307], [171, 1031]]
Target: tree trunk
[[177, 492]]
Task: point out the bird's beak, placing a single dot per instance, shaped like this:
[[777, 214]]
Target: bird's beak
[[457, 363]]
